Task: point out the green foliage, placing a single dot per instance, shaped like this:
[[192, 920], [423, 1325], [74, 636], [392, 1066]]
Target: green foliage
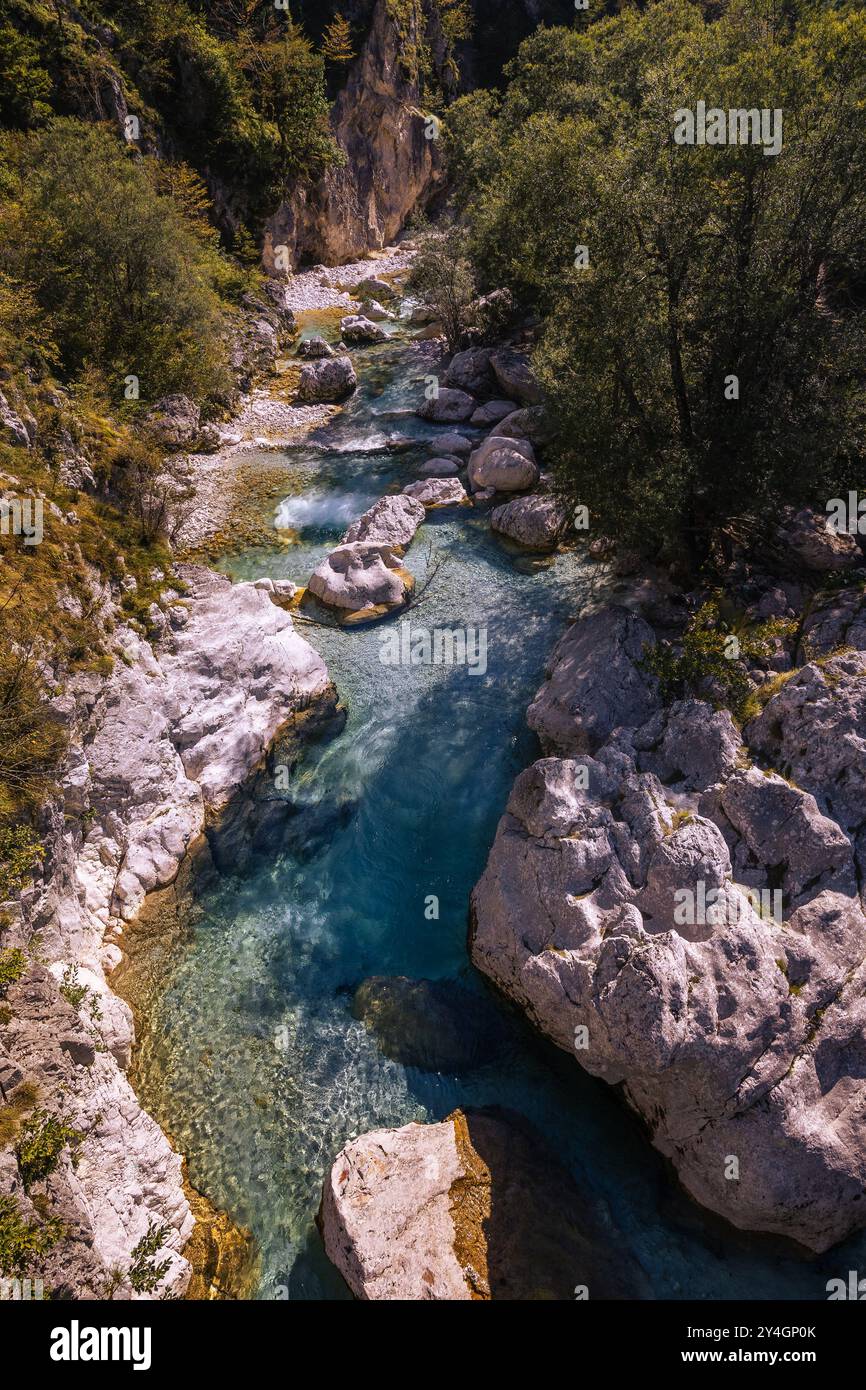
[[713, 652], [31, 746], [25, 338], [137, 480], [237, 89], [73, 992], [23, 1242], [25, 86], [704, 262], [145, 1273], [42, 1139], [443, 278], [120, 267], [20, 851], [13, 963], [337, 41], [457, 20]]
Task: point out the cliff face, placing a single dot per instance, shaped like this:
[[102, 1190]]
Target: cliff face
[[392, 167]]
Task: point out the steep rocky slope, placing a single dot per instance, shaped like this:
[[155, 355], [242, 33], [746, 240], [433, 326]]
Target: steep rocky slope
[[688, 922], [156, 754]]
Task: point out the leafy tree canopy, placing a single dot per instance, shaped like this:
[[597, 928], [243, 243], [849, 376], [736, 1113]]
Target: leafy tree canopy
[[704, 262]]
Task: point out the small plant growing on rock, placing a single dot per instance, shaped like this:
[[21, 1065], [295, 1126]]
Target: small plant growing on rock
[[24, 1098], [20, 850], [13, 963], [712, 652], [42, 1139], [23, 1242], [73, 992], [145, 1273]]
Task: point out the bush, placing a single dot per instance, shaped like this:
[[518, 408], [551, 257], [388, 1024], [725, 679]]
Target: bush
[[22, 1242], [20, 851], [713, 652], [145, 1273], [13, 964], [32, 744], [443, 278], [42, 1139]]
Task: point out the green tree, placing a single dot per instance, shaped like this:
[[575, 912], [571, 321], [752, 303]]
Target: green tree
[[122, 268], [25, 86], [704, 263], [442, 277], [287, 79], [337, 42]]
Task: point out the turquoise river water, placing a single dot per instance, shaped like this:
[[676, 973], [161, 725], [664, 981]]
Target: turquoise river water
[[249, 1054]]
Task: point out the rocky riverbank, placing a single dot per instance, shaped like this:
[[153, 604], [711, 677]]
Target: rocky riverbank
[[157, 752], [269, 415]]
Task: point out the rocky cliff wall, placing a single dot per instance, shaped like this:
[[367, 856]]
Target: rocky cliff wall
[[381, 123]]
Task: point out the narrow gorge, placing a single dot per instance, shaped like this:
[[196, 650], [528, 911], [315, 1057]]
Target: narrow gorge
[[432, 705]]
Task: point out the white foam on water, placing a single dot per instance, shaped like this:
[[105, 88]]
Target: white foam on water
[[320, 508]]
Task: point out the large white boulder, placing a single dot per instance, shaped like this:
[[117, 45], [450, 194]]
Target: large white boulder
[[361, 575], [437, 492], [538, 522], [327, 380], [503, 465]]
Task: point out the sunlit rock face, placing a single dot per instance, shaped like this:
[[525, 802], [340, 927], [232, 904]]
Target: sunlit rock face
[[688, 924], [391, 168], [475, 1207]]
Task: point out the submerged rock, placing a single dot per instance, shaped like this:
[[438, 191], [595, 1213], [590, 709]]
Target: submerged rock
[[328, 380], [392, 520], [436, 1025], [475, 1207]]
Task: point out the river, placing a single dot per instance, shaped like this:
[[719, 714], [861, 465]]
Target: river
[[249, 1053]]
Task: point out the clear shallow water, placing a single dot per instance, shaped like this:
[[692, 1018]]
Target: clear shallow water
[[250, 1055]]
